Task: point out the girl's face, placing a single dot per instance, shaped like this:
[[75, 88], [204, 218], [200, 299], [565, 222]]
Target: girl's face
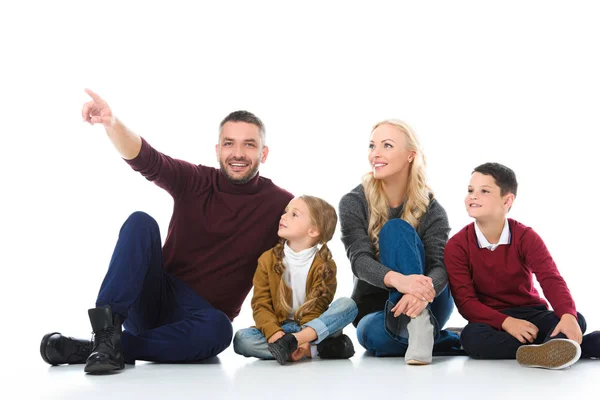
[[295, 224], [387, 152]]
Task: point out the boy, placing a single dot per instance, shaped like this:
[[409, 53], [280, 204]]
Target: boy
[[490, 266]]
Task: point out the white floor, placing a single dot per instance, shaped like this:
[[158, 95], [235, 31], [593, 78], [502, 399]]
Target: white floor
[[233, 377]]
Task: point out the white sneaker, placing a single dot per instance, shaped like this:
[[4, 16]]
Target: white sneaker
[[554, 354]]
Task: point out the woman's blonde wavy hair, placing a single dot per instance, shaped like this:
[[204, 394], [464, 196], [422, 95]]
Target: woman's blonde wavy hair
[[417, 194], [324, 217]]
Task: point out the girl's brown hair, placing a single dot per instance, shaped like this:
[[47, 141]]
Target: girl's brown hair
[[324, 217]]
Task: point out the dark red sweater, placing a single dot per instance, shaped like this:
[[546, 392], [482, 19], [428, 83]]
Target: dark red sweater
[[218, 230], [484, 282]]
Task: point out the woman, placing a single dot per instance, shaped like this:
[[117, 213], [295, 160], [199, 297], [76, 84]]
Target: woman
[[395, 231]]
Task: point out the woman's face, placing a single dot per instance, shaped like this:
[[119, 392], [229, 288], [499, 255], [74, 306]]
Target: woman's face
[[388, 156]]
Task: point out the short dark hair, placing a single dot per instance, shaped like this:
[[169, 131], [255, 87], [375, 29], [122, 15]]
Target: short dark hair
[[505, 177], [245, 116]]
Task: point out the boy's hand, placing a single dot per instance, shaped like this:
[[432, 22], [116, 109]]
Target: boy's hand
[[277, 335], [570, 327], [523, 331], [409, 305]]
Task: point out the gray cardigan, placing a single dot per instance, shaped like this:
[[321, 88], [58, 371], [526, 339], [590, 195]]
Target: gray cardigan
[[370, 293]]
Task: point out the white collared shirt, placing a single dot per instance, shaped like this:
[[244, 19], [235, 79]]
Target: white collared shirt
[[483, 242]]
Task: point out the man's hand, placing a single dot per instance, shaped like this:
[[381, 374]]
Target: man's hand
[[409, 305], [276, 336], [523, 331], [570, 327], [97, 111]]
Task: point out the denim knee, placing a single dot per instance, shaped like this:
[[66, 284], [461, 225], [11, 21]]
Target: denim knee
[[395, 225], [141, 219], [218, 335], [243, 341], [347, 305]]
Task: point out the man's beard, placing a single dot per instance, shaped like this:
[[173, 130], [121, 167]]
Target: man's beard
[[244, 179]]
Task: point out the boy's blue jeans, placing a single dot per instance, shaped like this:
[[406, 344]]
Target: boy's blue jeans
[[250, 342], [401, 250]]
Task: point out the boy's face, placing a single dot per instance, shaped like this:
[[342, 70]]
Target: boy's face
[[296, 223], [484, 201]]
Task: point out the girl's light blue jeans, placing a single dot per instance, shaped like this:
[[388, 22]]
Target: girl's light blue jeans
[[251, 342]]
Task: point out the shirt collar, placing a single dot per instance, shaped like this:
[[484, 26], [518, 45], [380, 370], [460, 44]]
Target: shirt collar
[[483, 242]]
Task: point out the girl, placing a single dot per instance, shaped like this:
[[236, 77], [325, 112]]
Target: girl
[[294, 285], [395, 232]]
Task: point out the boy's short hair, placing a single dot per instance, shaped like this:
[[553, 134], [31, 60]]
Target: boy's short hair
[[505, 177]]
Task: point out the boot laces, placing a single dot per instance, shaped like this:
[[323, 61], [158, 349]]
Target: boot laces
[[105, 335]]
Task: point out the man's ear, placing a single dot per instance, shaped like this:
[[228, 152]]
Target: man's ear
[[265, 153]]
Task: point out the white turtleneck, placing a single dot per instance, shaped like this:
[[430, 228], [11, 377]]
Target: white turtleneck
[[297, 264]]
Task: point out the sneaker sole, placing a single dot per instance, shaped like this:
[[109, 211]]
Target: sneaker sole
[[43, 348], [417, 362], [554, 354]]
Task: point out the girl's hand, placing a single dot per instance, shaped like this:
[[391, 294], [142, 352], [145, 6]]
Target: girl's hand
[[570, 327], [276, 336], [303, 351]]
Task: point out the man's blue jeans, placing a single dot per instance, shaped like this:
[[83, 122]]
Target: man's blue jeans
[[165, 320]]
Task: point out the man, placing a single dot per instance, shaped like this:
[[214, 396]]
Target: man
[[177, 303]]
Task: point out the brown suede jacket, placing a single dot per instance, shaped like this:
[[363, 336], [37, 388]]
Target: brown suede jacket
[[267, 313]]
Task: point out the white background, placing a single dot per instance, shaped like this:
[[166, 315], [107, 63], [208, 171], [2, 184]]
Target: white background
[[515, 82]]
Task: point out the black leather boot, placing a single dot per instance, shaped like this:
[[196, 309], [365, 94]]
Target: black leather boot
[[283, 347], [107, 353], [57, 349], [338, 347]]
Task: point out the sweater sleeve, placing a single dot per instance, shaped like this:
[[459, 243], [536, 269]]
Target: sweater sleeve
[[359, 247], [323, 302], [538, 258], [262, 302], [175, 176], [463, 290], [434, 235]]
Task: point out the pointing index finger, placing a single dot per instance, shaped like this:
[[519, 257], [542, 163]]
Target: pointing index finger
[[94, 96]]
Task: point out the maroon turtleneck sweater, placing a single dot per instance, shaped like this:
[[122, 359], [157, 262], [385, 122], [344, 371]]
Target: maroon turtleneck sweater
[[218, 230]]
